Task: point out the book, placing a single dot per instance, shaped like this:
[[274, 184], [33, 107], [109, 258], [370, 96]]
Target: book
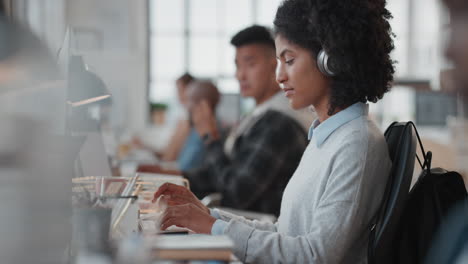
[[192, 247]]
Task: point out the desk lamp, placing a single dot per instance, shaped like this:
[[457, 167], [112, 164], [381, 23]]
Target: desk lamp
[[84, 87]]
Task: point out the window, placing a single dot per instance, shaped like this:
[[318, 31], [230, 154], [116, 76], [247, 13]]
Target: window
[[193, 35], [167, 44], [418, 28]]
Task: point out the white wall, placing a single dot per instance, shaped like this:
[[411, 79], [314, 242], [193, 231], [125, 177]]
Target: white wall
[[45, 17], [112, 36], [119, 55]]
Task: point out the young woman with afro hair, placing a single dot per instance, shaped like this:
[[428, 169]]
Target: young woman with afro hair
[[333, 55]]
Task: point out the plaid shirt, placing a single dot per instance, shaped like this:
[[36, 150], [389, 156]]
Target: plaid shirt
[[262, 162]]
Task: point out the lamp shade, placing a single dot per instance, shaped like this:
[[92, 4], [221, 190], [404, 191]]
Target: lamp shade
[[84, 87]]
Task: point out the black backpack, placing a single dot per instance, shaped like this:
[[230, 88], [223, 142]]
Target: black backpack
[[431, 198], [451, 241]]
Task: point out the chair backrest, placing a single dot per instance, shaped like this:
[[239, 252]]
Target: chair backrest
[[401, 141]]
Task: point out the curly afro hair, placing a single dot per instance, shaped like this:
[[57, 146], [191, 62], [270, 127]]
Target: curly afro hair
[[357, 37]]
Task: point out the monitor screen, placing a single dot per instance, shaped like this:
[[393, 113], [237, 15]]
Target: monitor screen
[[93, 158]]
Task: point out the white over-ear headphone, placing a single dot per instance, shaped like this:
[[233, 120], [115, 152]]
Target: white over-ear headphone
[[322, 63]]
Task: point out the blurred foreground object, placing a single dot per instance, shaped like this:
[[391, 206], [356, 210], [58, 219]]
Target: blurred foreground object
[[36, 159], [35, 209]]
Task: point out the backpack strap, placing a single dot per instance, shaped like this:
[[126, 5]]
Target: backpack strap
[[427, 156]]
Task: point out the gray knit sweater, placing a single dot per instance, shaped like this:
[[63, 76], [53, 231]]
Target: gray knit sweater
[[329, 202]]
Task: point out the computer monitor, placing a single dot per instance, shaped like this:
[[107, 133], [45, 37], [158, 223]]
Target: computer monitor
[[64, 53], [93, 160], [228, 110], [433, 108]]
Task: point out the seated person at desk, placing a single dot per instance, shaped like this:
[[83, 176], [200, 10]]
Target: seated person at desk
[[174, 151], [182, 130], [252, 167], [192, 152], [329, 203]]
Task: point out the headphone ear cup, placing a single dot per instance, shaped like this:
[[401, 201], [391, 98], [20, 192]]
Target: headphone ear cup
[[322, 63]]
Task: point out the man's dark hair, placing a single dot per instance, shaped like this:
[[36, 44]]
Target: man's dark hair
[[186, 78], [253, 35], [356, 35]]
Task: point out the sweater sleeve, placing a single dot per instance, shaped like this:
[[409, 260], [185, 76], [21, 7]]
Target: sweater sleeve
[[340, 224], [259, 246], [260, 225]]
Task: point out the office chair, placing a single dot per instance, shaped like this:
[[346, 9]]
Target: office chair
[[401, 142]]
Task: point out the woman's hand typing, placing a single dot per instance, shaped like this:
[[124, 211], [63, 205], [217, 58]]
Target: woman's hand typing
[[184, 209]]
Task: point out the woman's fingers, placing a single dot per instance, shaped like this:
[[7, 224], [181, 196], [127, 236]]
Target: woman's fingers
[[162, 189], [173, 216], [188, 216], [169, 189], [166, 224], [176, 199], [175, 195]]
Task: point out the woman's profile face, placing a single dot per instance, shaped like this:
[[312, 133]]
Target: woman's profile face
[[299, 76]]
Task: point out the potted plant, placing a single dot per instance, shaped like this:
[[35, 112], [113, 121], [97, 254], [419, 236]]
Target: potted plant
[[158, 112]]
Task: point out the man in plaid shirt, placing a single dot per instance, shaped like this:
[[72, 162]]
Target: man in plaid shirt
[[253, 165]]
